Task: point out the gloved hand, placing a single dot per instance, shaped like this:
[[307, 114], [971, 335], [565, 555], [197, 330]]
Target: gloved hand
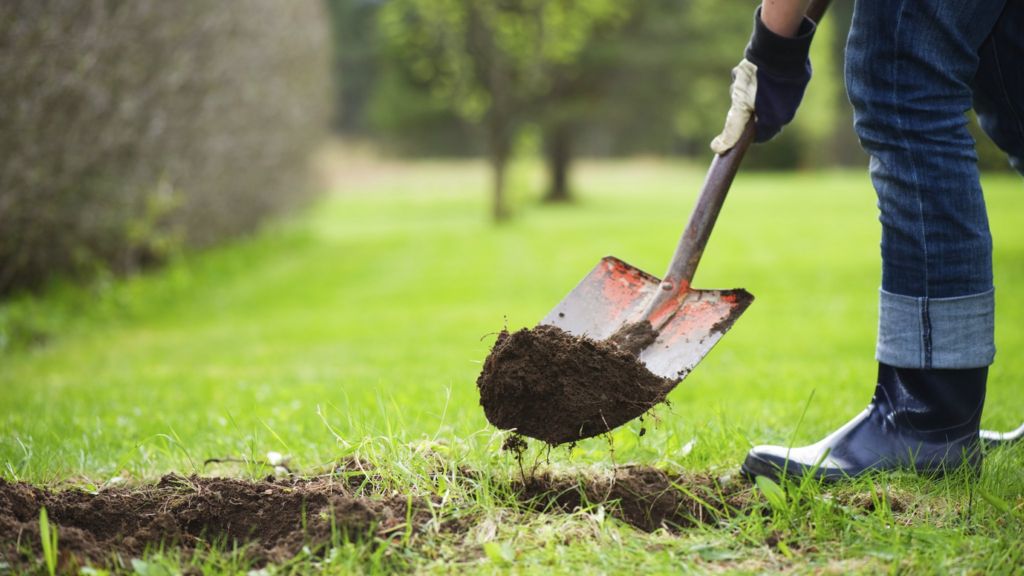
[[768, 83]]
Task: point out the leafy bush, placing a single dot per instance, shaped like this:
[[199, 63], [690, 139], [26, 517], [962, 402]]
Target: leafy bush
[[131, 129]]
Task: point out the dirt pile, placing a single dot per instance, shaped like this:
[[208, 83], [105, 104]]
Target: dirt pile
[[275, 519], [644, 497], [550, 385]]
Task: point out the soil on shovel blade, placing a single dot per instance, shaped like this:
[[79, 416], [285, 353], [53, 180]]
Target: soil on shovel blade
[[550, 385]]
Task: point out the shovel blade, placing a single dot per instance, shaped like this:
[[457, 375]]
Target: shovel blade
[[615, 294]]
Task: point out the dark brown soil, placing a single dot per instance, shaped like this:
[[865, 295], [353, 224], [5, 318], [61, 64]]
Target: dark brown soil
[[274, 519], [633, 338], [645, 497], [743, 300], [550, 385]]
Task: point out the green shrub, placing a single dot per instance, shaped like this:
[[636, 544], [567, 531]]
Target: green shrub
[[131, 129]]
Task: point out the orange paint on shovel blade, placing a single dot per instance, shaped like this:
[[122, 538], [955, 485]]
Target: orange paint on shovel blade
[[622, 286]]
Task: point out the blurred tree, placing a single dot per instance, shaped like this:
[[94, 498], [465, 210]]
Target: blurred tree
[[497, 63], [405, 118], [378, 98], [844, 146], [821, 113], [569, 103], [356, 55], [714, 39], [616, 96], [652, 77]]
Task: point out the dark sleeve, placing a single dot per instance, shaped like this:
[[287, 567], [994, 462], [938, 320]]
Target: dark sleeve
[[780, 56]]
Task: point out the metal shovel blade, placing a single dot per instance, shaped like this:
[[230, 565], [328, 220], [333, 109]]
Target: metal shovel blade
[[615, 294]]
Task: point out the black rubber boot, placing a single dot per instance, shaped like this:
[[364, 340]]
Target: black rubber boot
[[921, 420]]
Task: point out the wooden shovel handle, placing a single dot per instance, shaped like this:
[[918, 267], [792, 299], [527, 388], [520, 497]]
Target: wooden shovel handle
[[816, 10], [716, 186], [702, 220]]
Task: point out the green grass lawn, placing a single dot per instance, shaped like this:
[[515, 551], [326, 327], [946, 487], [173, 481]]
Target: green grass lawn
[[359, 328]]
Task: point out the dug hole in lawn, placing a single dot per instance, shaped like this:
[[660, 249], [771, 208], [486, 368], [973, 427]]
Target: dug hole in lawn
[[556, 387]]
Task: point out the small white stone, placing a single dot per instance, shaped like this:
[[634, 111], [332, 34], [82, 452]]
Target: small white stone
[[687, 448]]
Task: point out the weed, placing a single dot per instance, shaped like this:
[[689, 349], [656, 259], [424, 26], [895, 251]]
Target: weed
[[48, 538]]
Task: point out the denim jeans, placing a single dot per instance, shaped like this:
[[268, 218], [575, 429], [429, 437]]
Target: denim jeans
[[913, 69]]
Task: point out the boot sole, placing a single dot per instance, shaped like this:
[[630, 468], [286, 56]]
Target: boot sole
[[753, 467]]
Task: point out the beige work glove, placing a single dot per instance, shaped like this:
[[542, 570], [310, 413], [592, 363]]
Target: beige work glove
[[744, 96], [768, 84]]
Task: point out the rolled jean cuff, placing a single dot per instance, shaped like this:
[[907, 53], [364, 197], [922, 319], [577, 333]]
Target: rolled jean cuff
[[923, 333]]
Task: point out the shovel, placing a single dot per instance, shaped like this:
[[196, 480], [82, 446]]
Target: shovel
[[689, 321], [616, 296]]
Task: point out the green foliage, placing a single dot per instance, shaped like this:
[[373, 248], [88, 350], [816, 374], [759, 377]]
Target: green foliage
[[618, 78], [466, 50], [497, 63], [636, 77], [407, 120], [714, 41], [133, 129]]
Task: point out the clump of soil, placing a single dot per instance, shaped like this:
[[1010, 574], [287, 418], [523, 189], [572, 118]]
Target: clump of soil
[[274, 519], [634, 337], [644, 497], [550, 385]]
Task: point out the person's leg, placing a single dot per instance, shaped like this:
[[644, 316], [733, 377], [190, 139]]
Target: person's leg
[[999, 84], [909, 67]]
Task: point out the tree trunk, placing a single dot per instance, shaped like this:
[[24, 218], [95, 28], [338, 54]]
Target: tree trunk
[[500, 128], [498, 163], [500, 147], [558, 144]]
